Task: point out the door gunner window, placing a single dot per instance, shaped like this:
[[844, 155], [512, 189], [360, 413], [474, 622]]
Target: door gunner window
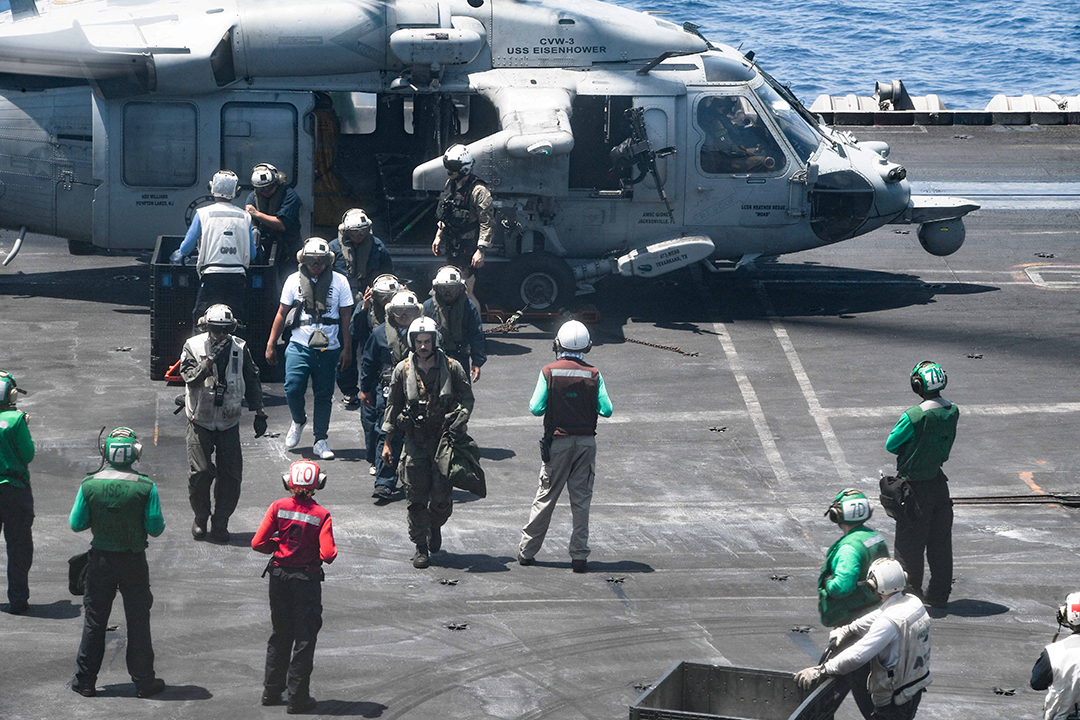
[[736, 139]]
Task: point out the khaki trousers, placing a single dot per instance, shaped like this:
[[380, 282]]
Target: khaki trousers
[[573, 466]]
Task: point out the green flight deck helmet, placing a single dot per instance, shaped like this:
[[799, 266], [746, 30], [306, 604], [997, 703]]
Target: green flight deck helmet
[[122, 447], [850, 506], [928, 377]]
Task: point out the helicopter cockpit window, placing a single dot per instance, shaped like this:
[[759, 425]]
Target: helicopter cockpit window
[[736, 139], [803, 138]]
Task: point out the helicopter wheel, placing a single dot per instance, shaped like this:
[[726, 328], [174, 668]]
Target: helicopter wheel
[[540, 280]]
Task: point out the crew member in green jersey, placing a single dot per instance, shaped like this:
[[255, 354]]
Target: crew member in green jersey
[[16, 500], [921, 441], [842, 592], [120, 507]]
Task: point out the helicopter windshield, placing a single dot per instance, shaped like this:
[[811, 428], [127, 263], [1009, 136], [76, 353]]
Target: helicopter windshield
[[803, 138]]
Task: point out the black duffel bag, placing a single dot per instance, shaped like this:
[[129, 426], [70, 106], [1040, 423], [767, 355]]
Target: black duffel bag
[[77, 573], [898, 499]]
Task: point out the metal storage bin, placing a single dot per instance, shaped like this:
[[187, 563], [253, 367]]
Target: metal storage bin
[[696, 691], [172, 300]]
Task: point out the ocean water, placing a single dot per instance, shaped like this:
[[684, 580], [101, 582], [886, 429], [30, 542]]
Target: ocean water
[[965, 51]]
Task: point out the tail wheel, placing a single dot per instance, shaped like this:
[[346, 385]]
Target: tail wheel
[[540, 280]]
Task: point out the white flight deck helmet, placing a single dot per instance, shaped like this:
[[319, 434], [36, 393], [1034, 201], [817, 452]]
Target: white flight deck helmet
[[314, 249], [424, 325], [573, 336], [355, 219], [265, 174], [224, 185], [1069, 613], [385, 287], [457, 158], [404, 301], [885, 577], [220, 317], [448, 276]]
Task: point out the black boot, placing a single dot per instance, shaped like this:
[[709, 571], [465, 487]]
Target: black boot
[[422, 557], [198, 528]]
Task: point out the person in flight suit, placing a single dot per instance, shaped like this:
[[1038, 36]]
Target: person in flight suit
[[458, 320], [465, 216], [922, 440], [570, 394], [387, 346], [226, 245], [297, 531], [842, 592], [219, 373], [274, 208], [361, 258], [1058, 668], [120, 507], [425, 389], [16, 499]]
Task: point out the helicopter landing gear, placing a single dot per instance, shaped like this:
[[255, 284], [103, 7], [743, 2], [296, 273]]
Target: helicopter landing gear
[[540, 280]]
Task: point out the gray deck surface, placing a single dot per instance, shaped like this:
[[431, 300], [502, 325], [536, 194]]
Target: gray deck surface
[[803, 363]]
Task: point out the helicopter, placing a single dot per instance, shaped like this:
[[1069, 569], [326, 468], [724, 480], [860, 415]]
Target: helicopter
[[614, 142]]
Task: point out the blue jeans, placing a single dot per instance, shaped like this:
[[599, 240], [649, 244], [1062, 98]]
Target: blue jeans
[[301, 362]]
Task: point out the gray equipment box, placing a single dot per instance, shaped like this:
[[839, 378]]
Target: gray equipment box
[[696, 691]]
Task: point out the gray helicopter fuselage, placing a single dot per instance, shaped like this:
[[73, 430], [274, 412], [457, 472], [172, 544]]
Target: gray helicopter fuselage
[[116, 116]]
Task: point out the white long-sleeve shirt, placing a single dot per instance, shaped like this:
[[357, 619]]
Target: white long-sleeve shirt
[[879, 637]]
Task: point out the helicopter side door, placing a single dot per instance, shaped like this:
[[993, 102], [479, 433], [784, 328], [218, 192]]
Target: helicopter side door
[[737, 170]]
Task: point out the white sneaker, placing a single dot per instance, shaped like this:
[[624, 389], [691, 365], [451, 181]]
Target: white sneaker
[[371, 470], [292, 438], [323, 450]]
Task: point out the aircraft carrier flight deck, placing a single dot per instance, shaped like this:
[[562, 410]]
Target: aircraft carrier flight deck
[[712, 475]]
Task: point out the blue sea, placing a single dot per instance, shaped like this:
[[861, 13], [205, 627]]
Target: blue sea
[[965, 51]]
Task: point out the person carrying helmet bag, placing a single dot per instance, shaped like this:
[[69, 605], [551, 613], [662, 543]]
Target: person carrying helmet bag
[[120, 507], [922, 440], [219, 373], [361, 258], [842, 592], [318, 345], [465, 216], [274, 208], [298, 532], [226, 244], [458, 320], [571, 395], [894, 639], [425, 389], [1058, 668], [386, 347], [16, 498]]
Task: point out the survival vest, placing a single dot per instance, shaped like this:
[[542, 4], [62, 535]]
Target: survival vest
[[1063, 695], [433, 403], [269, 206], [117, 500], [912, 671], [298, 522], [450, 317], [455, 209], [837, 610], [922, 456], [398, 352], [226, 239], [573, 387], [200, 396]]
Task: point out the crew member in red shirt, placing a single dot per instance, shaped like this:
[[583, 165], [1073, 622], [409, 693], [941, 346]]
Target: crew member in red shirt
[[297, 532]]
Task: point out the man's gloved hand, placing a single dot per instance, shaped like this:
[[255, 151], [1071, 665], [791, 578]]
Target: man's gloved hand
[[176, 258], [837, 637], [809, 677], [260, 424]]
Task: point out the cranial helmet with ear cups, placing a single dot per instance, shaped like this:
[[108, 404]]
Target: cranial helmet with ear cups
[[928, 377], [850, 506], [886, 576]]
